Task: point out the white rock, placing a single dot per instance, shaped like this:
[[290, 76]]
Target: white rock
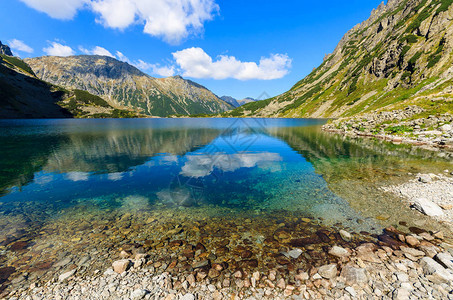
[[351, 291], [435, 271], [66, 275], [339, 251], [445, 259], [138, 294], [346, 236], [121, 266], [295, 253], [446, 128], [188, 297], [428, 207], [401, 294]]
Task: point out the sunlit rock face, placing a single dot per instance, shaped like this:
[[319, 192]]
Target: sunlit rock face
[[123, 85]]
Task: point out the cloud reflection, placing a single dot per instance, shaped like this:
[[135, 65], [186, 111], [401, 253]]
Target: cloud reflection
[[203, 165]]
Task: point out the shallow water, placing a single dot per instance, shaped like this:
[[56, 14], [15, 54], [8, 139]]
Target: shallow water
[[58, 174]]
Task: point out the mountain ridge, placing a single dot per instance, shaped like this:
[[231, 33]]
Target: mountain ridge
[[400, 56], [124, 86]]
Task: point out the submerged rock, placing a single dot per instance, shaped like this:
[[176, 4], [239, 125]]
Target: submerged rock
[[427, 207]]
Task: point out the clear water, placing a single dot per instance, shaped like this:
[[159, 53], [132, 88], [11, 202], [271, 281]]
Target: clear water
[[68, 186], [244, 164]]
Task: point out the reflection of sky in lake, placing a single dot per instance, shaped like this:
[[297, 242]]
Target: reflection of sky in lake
[[230, 163]]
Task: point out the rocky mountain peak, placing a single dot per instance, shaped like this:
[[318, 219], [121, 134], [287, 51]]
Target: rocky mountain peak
[[5, 50]]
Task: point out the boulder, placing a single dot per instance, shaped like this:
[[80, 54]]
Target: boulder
[[445, 259], [434, 271], [427, 207]]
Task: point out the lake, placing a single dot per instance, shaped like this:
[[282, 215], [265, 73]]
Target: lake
[[76, 192]]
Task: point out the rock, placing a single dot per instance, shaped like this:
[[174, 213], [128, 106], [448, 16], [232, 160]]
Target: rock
[[191, 279], [346, 236], [213, 273], [351, 291], [425, 178], [445, 259], [412, 251], [427, 207], [328, 271], [427, 236], [434, 271], [295, 253], [339, 251], [66, 275], [446, 128], [200, 264], [354, 275], [281, 284], [138, 294], [121, 266], [412, 241], [401, 294], [188, 297]]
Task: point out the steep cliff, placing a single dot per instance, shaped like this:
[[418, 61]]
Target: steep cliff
[[124, 86], [402, 55]]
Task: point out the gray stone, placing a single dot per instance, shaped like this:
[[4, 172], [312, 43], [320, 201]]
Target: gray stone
[[434, 271], [200, 264], [427, 207], [354, 275], [328, 271], [446, 128], [412, 251]]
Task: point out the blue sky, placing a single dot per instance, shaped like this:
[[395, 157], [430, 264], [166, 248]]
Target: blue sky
[[237, 48]]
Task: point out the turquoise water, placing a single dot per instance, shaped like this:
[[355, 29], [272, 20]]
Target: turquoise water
[[244, 164], [141, 164], [93, 186]]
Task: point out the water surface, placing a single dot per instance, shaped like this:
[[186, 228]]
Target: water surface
[[64, 180]]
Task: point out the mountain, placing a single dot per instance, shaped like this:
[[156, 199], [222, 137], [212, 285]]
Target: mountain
[[237, 103], [124, 86], [23, 95], [230, 100], [5, 50], [246, 100], [400, 56]]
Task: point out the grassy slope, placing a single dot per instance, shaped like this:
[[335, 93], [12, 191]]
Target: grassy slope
[[340, 83]]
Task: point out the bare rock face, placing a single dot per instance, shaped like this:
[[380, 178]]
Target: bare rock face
[[125, 86], [5, 50]]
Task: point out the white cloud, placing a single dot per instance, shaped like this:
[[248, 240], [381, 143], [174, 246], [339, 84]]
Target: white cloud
[[58, 9], [96, 51], [171, 20], [20, 46], [196, 63], [122, 57], [56, 49], [155, 68]]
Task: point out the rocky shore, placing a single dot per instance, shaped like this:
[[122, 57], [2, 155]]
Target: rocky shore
[[430, 194], [284, 257], [399, 126]]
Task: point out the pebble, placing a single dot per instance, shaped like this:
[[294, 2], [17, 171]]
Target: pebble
[[339, 251], [346, 236], [328, 271], [121, 266]]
